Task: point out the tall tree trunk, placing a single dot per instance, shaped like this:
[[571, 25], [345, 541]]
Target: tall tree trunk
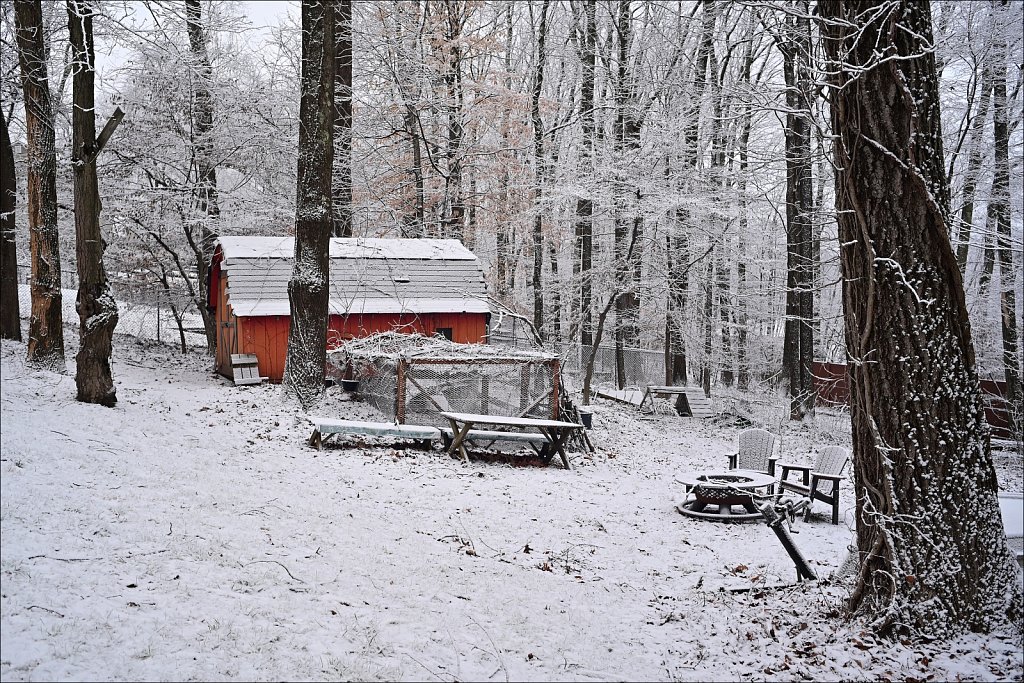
[[10, 308], [538, 174], [97, 310], [933, 550], [585, 204], [45, 330], [974, 147], [504, 245], [999, 212], [342, 189], [677, 257], [678, 276], [309, 286], [206, 170], [709, 327], [455, 16], [628, 218], [798, 347]]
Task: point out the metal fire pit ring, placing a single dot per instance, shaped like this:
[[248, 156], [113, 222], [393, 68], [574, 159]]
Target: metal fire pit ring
[[723, 491]]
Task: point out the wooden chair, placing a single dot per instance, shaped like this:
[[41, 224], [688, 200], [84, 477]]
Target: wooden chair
[[820, 481], [754, 449]]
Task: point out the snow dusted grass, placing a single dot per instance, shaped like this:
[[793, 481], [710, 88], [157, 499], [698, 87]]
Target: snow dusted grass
[[189, 534]]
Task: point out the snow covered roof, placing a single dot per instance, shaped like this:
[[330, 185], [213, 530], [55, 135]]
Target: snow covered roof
[[368, 275]]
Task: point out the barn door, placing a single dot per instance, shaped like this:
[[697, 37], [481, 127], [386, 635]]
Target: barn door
[[227, 340]]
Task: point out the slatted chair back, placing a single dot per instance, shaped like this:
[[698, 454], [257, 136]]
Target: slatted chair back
[[831, 460], [754, 448]]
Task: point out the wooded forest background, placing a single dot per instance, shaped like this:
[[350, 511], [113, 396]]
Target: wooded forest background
[[664, 166]]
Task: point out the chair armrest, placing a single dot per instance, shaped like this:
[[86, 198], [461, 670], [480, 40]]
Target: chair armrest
[[830, 477], [804, 470]]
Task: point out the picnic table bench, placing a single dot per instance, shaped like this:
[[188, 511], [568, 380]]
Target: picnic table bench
[[480, 435], [549, 434], [325, 428]]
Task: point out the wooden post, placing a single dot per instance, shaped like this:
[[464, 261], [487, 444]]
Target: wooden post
[[400, 394], [485, 393], [524, 387], [554, 393]]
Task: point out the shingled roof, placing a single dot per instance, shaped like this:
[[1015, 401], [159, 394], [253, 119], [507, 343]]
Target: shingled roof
[[368, 275]]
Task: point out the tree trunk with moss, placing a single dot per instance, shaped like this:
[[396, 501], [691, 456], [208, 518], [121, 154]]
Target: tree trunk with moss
[[97, 310], [308, 288], [933, 552], [45, 327]]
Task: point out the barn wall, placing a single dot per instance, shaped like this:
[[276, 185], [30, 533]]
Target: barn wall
[[267, 337]]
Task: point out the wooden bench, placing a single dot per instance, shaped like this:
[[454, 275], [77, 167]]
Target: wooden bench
[[325, 428], [478, 435], [246, 369], [690, 401]]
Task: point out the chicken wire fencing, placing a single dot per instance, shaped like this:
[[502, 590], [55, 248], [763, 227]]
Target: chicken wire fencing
[[411, 379], [144, 310], [640, 366]]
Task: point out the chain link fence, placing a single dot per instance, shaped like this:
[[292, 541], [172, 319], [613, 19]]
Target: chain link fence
[[145, 309], [641, 366]]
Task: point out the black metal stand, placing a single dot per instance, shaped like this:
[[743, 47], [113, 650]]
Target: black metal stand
[[773, 520]]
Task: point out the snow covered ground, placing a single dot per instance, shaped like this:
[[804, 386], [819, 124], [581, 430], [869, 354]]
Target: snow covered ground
[[191, 534]]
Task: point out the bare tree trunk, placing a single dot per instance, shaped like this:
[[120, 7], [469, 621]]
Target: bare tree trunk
[[709, 327], [973, 168], [933, 550], [45, 330], [538, 170], [455, 16], [794, 42], [677, 255], [309, 287], [628, 219], [342, 199], [97, 309], [503, 246], [10, 309], [679, 246], [999, 214], [585, 205], [206, 170]]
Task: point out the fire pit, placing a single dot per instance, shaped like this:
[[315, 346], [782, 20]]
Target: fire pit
[[723, 491]]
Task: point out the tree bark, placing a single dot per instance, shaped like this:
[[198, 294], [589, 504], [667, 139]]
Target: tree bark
[[10, 308], [97, 310], [342, 199], [973, 168], [794, 42], [933, 551], [455, 18], [585, 204], [999, 215], [538, 174], [629, 222], [308, 288], [45, 329], [205, 191]]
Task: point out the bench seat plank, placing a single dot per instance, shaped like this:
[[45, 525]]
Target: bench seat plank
[[488, 435], [325, 428]]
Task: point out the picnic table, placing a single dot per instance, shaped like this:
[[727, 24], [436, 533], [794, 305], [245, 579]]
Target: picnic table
[[551, 433]]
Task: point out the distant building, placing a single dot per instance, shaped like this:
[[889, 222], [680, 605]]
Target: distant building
[[408, 285]]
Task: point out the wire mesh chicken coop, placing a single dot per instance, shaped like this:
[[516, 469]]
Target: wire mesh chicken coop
[[412, 378]]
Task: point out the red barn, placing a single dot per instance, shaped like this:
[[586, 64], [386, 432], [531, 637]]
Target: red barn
[[429, 286]]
